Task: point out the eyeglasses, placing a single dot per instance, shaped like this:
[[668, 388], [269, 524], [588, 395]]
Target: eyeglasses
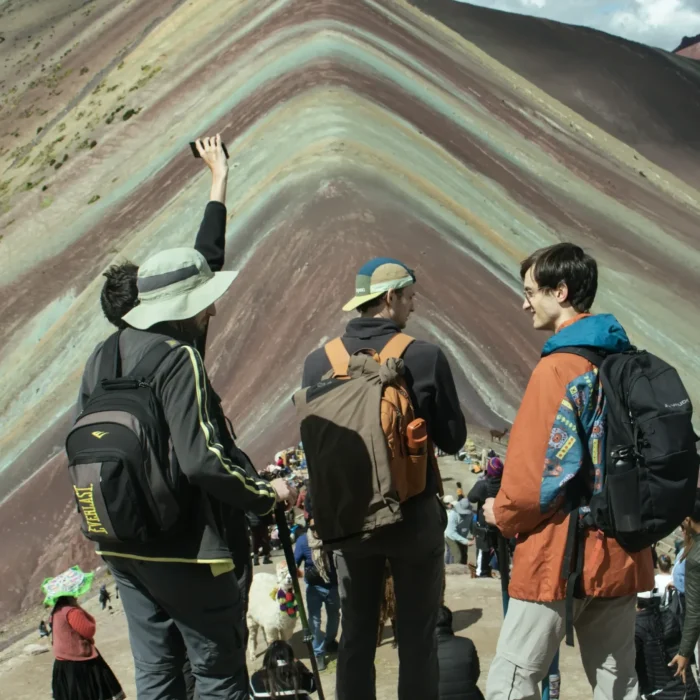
[[531, 293]]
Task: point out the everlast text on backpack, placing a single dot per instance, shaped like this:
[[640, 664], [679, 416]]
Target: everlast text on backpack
[[651, 461], [366, 451], [118, 454]]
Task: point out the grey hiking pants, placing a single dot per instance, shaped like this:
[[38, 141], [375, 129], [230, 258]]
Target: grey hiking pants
[[415, 549], [532, 633], [175, 608]]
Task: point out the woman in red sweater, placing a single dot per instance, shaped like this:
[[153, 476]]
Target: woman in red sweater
[[79, 672]]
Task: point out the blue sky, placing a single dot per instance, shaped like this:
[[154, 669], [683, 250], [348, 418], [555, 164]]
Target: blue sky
[[660, 23]]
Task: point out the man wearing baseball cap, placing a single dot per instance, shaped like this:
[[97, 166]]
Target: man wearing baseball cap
[[185, 583], [384, 298]]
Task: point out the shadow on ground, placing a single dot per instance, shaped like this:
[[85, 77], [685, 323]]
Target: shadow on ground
[[461, 619]]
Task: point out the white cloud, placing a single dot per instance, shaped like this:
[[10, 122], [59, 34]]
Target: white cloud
[[660, 23]]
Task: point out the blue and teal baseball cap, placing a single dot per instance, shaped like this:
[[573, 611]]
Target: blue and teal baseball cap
[[377, 277]]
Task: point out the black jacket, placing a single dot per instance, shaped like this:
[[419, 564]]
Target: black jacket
[[657, 636], [308, 685], [479, 493], [428, 377], [459, 667]]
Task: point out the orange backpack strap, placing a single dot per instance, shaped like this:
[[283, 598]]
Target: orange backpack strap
[[338, 357], [396, 347]]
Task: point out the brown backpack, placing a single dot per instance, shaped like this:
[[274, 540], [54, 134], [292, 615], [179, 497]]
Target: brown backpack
[[366, 452]]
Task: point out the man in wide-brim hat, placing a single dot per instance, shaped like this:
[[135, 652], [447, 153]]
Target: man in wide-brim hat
[[184, 581]]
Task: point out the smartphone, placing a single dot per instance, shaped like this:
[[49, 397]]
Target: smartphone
[[195, 152]]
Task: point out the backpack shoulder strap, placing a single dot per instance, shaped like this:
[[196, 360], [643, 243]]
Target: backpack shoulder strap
[[593, 355], [338, 356], [150, 361], [110, 359], [396, 347]]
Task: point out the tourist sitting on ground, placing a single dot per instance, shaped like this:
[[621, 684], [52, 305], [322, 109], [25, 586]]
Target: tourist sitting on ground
[[282, 675], [44, 631], [657, 636], [79, 672], [459, 662]]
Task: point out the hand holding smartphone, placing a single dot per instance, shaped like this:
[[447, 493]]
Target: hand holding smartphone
[[197, 154]]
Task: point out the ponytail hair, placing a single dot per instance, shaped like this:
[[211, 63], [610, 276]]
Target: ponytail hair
[[280, 671]]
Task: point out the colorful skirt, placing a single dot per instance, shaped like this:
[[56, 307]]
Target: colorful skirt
[[85, 680]]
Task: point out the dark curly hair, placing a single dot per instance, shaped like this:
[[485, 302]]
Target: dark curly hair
[[565, 263], [119, 293]]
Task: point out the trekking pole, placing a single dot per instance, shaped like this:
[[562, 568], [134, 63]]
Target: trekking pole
[[286, 541], [504, 569], [552, 681]]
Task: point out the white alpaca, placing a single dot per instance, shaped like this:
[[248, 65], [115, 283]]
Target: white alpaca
[[264, 609]]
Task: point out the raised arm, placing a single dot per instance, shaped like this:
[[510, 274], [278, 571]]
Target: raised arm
[[211, 238]]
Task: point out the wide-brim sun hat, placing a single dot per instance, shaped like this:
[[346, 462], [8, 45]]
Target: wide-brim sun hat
[[175, 285], [377, 277], [448, 500]]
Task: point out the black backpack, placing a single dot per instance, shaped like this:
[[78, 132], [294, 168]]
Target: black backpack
[[651, 461], [118, 454]]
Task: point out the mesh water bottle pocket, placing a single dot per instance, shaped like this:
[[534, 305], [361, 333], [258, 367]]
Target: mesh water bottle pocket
[[624, 499]]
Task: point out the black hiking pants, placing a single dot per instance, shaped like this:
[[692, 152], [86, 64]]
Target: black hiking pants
[[415, 548]]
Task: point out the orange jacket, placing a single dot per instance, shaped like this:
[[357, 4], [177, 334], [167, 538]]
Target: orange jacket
[[544, 452]]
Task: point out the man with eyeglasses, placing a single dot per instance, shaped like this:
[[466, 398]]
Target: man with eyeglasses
[[553, 464]]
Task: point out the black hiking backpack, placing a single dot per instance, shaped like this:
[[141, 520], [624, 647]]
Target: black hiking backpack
[[118, 454], [651, 461]]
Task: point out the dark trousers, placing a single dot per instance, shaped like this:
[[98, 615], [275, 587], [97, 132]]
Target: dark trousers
[[415, 549], [261, 540], [245, 579], [178, 610], [459, 551]]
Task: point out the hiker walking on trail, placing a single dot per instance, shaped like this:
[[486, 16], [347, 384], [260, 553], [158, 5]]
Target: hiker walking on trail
[[105, 597], [479, 494], [170, 553], [459, 516], [405, 523], [321, 581], [544, 454], [260, 536], [79, 672]]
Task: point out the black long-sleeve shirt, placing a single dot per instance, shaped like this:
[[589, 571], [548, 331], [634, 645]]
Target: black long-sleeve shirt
[[428, 377]]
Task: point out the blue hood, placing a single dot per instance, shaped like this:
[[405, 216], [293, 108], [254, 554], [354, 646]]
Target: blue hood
[[601, 331]]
